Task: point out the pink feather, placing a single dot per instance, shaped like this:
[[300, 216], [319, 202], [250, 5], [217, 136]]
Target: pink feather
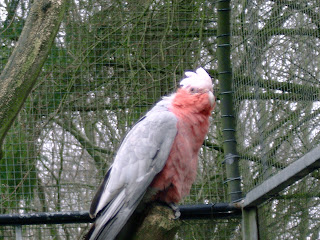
[[175, 179]]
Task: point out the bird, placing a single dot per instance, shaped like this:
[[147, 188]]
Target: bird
[[158, 158]]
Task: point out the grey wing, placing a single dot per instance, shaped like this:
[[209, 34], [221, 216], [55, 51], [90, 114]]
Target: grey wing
[[142, 155]]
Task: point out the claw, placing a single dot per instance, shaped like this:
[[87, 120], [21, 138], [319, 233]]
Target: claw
[[175, 209]]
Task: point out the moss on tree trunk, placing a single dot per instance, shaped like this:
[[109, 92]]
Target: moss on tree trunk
[[159, 224], [25, 63], [152, 221]]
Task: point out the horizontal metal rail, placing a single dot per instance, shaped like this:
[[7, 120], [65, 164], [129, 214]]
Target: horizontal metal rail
[[200, 211], [287, 176]]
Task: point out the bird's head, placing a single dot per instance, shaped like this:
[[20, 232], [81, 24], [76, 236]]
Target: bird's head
[[198, 83]]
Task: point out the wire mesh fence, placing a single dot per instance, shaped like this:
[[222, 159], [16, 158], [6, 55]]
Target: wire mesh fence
[[112, 60], [276, 83], [297, 207]]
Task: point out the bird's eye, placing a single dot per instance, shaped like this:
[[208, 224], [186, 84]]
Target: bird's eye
[[192, 90]]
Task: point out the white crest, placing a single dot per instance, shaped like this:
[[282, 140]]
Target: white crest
[[199, 79]]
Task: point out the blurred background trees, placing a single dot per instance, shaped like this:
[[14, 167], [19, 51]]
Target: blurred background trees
[[112, 60]]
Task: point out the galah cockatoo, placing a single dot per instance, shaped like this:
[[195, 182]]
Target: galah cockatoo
[[158, 158]]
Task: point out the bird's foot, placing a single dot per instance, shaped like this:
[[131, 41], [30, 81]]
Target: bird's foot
[[175, 209]]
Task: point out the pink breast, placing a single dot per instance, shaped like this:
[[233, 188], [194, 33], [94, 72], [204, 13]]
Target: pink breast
[[175, 180]]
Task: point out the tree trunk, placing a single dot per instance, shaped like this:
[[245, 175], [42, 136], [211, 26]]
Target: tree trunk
[[159, 224], [25, 63], [153, 221]]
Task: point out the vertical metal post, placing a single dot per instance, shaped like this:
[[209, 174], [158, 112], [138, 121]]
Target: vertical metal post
[[250, 230], [249, 216], [18, 230], [226, 96]]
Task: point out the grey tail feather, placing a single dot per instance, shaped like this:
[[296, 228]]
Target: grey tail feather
[[99, 192], [134, 222], [110, 228], [88, 235]]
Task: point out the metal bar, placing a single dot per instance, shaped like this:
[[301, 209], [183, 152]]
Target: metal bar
[[227, 108], [250, 230], [201, 211], [295, 171], [45, 218], [18, 230], [209, 211]]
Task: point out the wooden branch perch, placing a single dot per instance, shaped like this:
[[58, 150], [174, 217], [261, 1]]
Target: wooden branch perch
[[154, 222], [158, 225]]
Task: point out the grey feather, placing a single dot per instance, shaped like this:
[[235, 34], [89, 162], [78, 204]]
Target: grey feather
[[142, 154]]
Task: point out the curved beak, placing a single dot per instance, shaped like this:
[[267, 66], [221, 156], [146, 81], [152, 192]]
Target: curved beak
[[212, 98]]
